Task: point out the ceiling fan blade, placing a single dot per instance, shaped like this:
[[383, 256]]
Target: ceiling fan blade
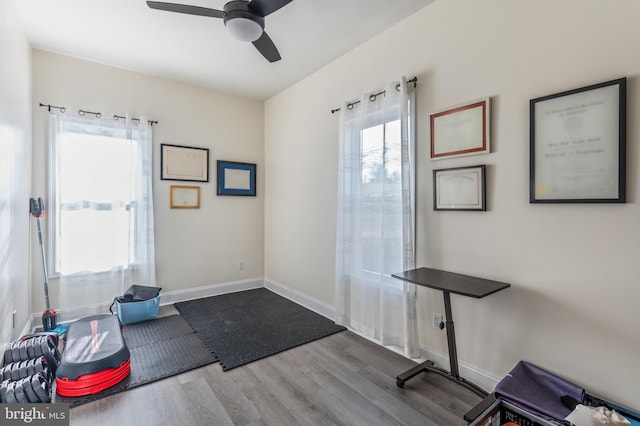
[[265, 7], [184, 8], [266, 47]]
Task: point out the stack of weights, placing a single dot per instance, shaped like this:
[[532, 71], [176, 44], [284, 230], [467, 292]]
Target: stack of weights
[[28, 369]]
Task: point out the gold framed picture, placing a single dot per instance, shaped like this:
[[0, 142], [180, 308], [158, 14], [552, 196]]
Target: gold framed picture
[[184, 197]]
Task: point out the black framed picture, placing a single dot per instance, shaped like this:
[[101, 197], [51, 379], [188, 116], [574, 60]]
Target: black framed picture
[[578, 145], [460, 188], [184, 163], [236, 178]]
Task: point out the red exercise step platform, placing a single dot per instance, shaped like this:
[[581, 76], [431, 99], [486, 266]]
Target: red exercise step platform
[[95, 357]]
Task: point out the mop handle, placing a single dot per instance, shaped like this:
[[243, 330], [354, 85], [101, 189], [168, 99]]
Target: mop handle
[[44, 266], [37, 209]]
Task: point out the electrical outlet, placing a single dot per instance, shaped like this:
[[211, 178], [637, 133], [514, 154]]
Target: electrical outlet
[[240, 265], [438, 321]]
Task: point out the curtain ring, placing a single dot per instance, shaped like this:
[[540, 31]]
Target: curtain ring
[[349, 106], [82, 113], [398, 87], [63, 110], [115, 117], [372, 97]]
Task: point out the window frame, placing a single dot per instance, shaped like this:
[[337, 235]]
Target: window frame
[[52, 246], [373, 122]]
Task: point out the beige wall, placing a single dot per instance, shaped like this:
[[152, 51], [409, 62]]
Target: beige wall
[[572, 305], [15, 173], [194, 248], [574, 272]]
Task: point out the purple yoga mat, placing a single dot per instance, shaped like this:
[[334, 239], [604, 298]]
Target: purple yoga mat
[[537, 390]]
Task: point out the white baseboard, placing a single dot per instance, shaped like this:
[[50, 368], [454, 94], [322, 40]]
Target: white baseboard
[[483, 379], [67, 315], [29, 327], [171, 297], [168, 298], [308, 302]]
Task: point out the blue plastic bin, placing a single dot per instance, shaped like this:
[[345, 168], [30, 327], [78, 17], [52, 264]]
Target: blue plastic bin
[[132, 312]]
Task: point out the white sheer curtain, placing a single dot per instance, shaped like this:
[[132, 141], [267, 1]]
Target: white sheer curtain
[[101, 201], [375, 234]]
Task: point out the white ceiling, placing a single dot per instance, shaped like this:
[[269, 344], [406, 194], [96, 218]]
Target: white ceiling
[[128, 34]]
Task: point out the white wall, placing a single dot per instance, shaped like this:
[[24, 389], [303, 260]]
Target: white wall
[[194, 248], [15, 172], [572, 307]]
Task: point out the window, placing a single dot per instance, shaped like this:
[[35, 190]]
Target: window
[[97, 171], [381, 214], [375, 218]]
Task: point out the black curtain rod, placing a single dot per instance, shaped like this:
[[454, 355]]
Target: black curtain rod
[[373, 97], [83, 112]]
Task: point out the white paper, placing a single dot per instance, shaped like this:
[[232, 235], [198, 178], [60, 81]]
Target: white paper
[[577, 146], [186, 197], [459, 190], [237, 179], [182, 163]]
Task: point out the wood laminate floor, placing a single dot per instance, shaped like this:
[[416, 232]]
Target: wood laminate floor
[[342, 379]]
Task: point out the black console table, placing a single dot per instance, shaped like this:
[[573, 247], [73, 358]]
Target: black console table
[[448, 282]]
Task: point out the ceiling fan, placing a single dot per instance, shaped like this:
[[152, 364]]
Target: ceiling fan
[[243, 19]]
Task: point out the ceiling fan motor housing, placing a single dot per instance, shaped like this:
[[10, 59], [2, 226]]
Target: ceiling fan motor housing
[[242, 18], [242, 22]]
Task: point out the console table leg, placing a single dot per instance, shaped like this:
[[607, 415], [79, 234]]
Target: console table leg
[[448, 283], [451, 336], [429, 366], [420, 368]]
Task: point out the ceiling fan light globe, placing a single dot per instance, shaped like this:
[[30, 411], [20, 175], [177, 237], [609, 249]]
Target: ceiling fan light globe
[[244, 29]]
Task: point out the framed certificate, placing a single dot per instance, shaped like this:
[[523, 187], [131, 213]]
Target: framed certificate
[[184, 163], [459, 188], [184, 197], [461, 130], [578, 145], [236, 178]]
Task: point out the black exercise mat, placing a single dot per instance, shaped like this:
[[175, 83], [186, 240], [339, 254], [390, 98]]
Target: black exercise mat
[[160, 348], [157, 330], [249, 325]]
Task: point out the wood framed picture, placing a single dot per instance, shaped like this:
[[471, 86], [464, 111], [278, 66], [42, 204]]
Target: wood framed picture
[[184, 163], [461, 130], [578, 145], [184, 197], [236, 178], [460, 188]]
